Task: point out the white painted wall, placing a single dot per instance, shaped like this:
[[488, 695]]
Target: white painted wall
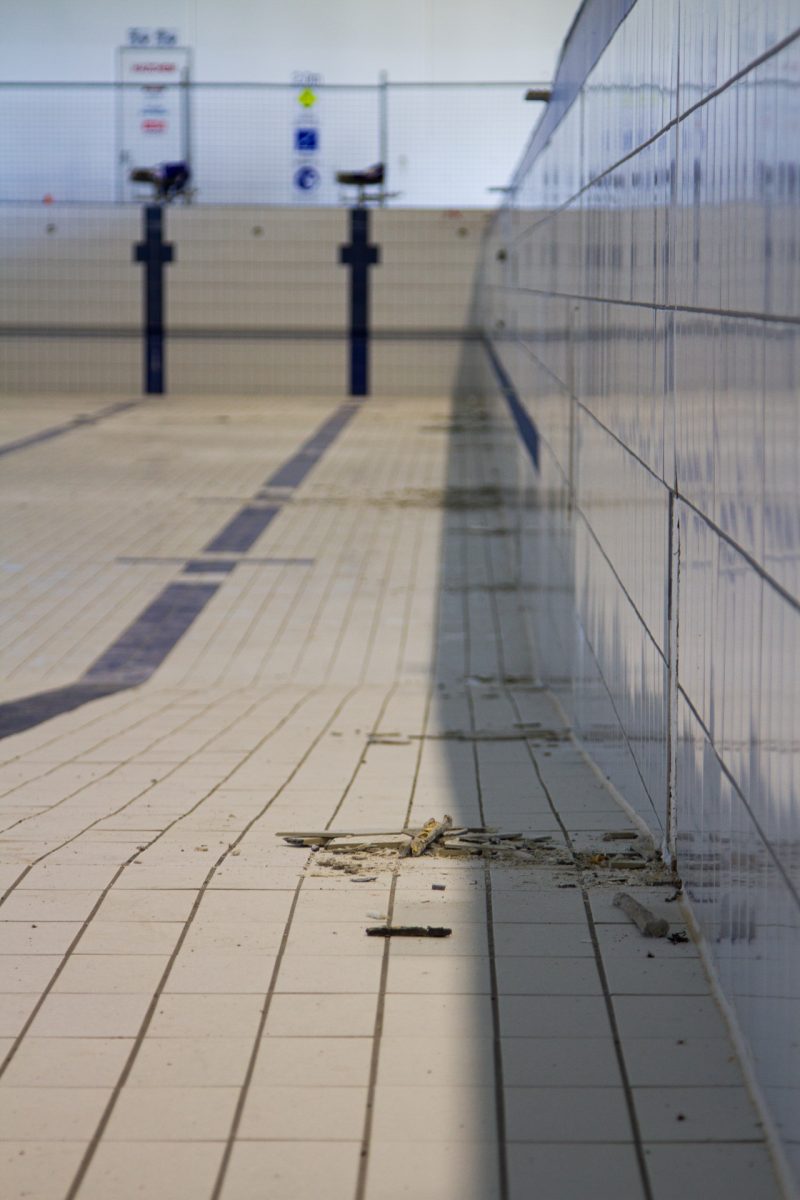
[[347, 41]]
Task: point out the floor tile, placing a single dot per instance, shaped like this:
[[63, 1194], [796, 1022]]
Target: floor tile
[[549, 1061], [321, 1016], [316, 1061], [125, 973], [67, 1062], [547, 976], [38, 1170], [152, 1170], [32, 937], [569, 1172], [554, 1016], [433, 1170], [721, 1171], [172, 1114], [463, 1016], [303, 1113], [292, 1170], [168, 905], [668, 1016], [329, 974], [50, 1113], [191, 1062], [205, 1016], [696, 1114], [131, 937], [676, 1062], [90, 1016], [446, 975], [206, 971], [27, 972], [47, 906], [434, 1114], [516, 938], [442, 1061], [575, 1114], [658, 977]]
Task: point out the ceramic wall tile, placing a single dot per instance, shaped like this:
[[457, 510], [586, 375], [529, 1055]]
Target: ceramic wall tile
[[651, 326]]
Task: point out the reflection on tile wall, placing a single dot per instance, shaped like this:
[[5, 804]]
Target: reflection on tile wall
[[641, 288]]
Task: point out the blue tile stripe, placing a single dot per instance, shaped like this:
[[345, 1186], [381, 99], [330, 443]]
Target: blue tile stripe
[[243, 530], [19, 715], [153, 253], [54, 431], [140, 649], [526, 426], [144, 645], [359, 255], [293, 472]]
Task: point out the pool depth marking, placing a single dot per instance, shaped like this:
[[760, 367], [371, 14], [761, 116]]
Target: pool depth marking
[[134, 656]]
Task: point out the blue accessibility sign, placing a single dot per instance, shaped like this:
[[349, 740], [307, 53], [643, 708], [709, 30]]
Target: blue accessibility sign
[[306, 141], [306, 179]]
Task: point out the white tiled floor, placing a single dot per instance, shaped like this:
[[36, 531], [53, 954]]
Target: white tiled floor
[[190, 1007]]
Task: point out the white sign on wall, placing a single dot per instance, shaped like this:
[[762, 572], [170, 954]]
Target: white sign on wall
[[306, 134], [154, 109]]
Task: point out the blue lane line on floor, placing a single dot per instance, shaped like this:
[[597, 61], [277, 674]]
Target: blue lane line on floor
[[136, 654], [293, 472], [243, 530], [526, 426], [19, 715], [80, 422], [144, 645]]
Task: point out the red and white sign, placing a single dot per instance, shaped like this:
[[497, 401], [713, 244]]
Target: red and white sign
[[154, 105]]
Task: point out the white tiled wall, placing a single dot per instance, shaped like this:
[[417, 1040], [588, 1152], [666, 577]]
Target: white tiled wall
[[643, 293], [256, 299]]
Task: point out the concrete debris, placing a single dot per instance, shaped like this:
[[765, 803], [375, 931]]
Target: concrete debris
[[431, 832], [382, 841], [646, 922]]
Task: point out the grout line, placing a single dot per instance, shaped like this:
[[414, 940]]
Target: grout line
[[497, 1051], [623, 1070], [99, 779], [377, 1033], [89, 1153], [245, 1088], [738, 314], [141, 850], [497, 1043]]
